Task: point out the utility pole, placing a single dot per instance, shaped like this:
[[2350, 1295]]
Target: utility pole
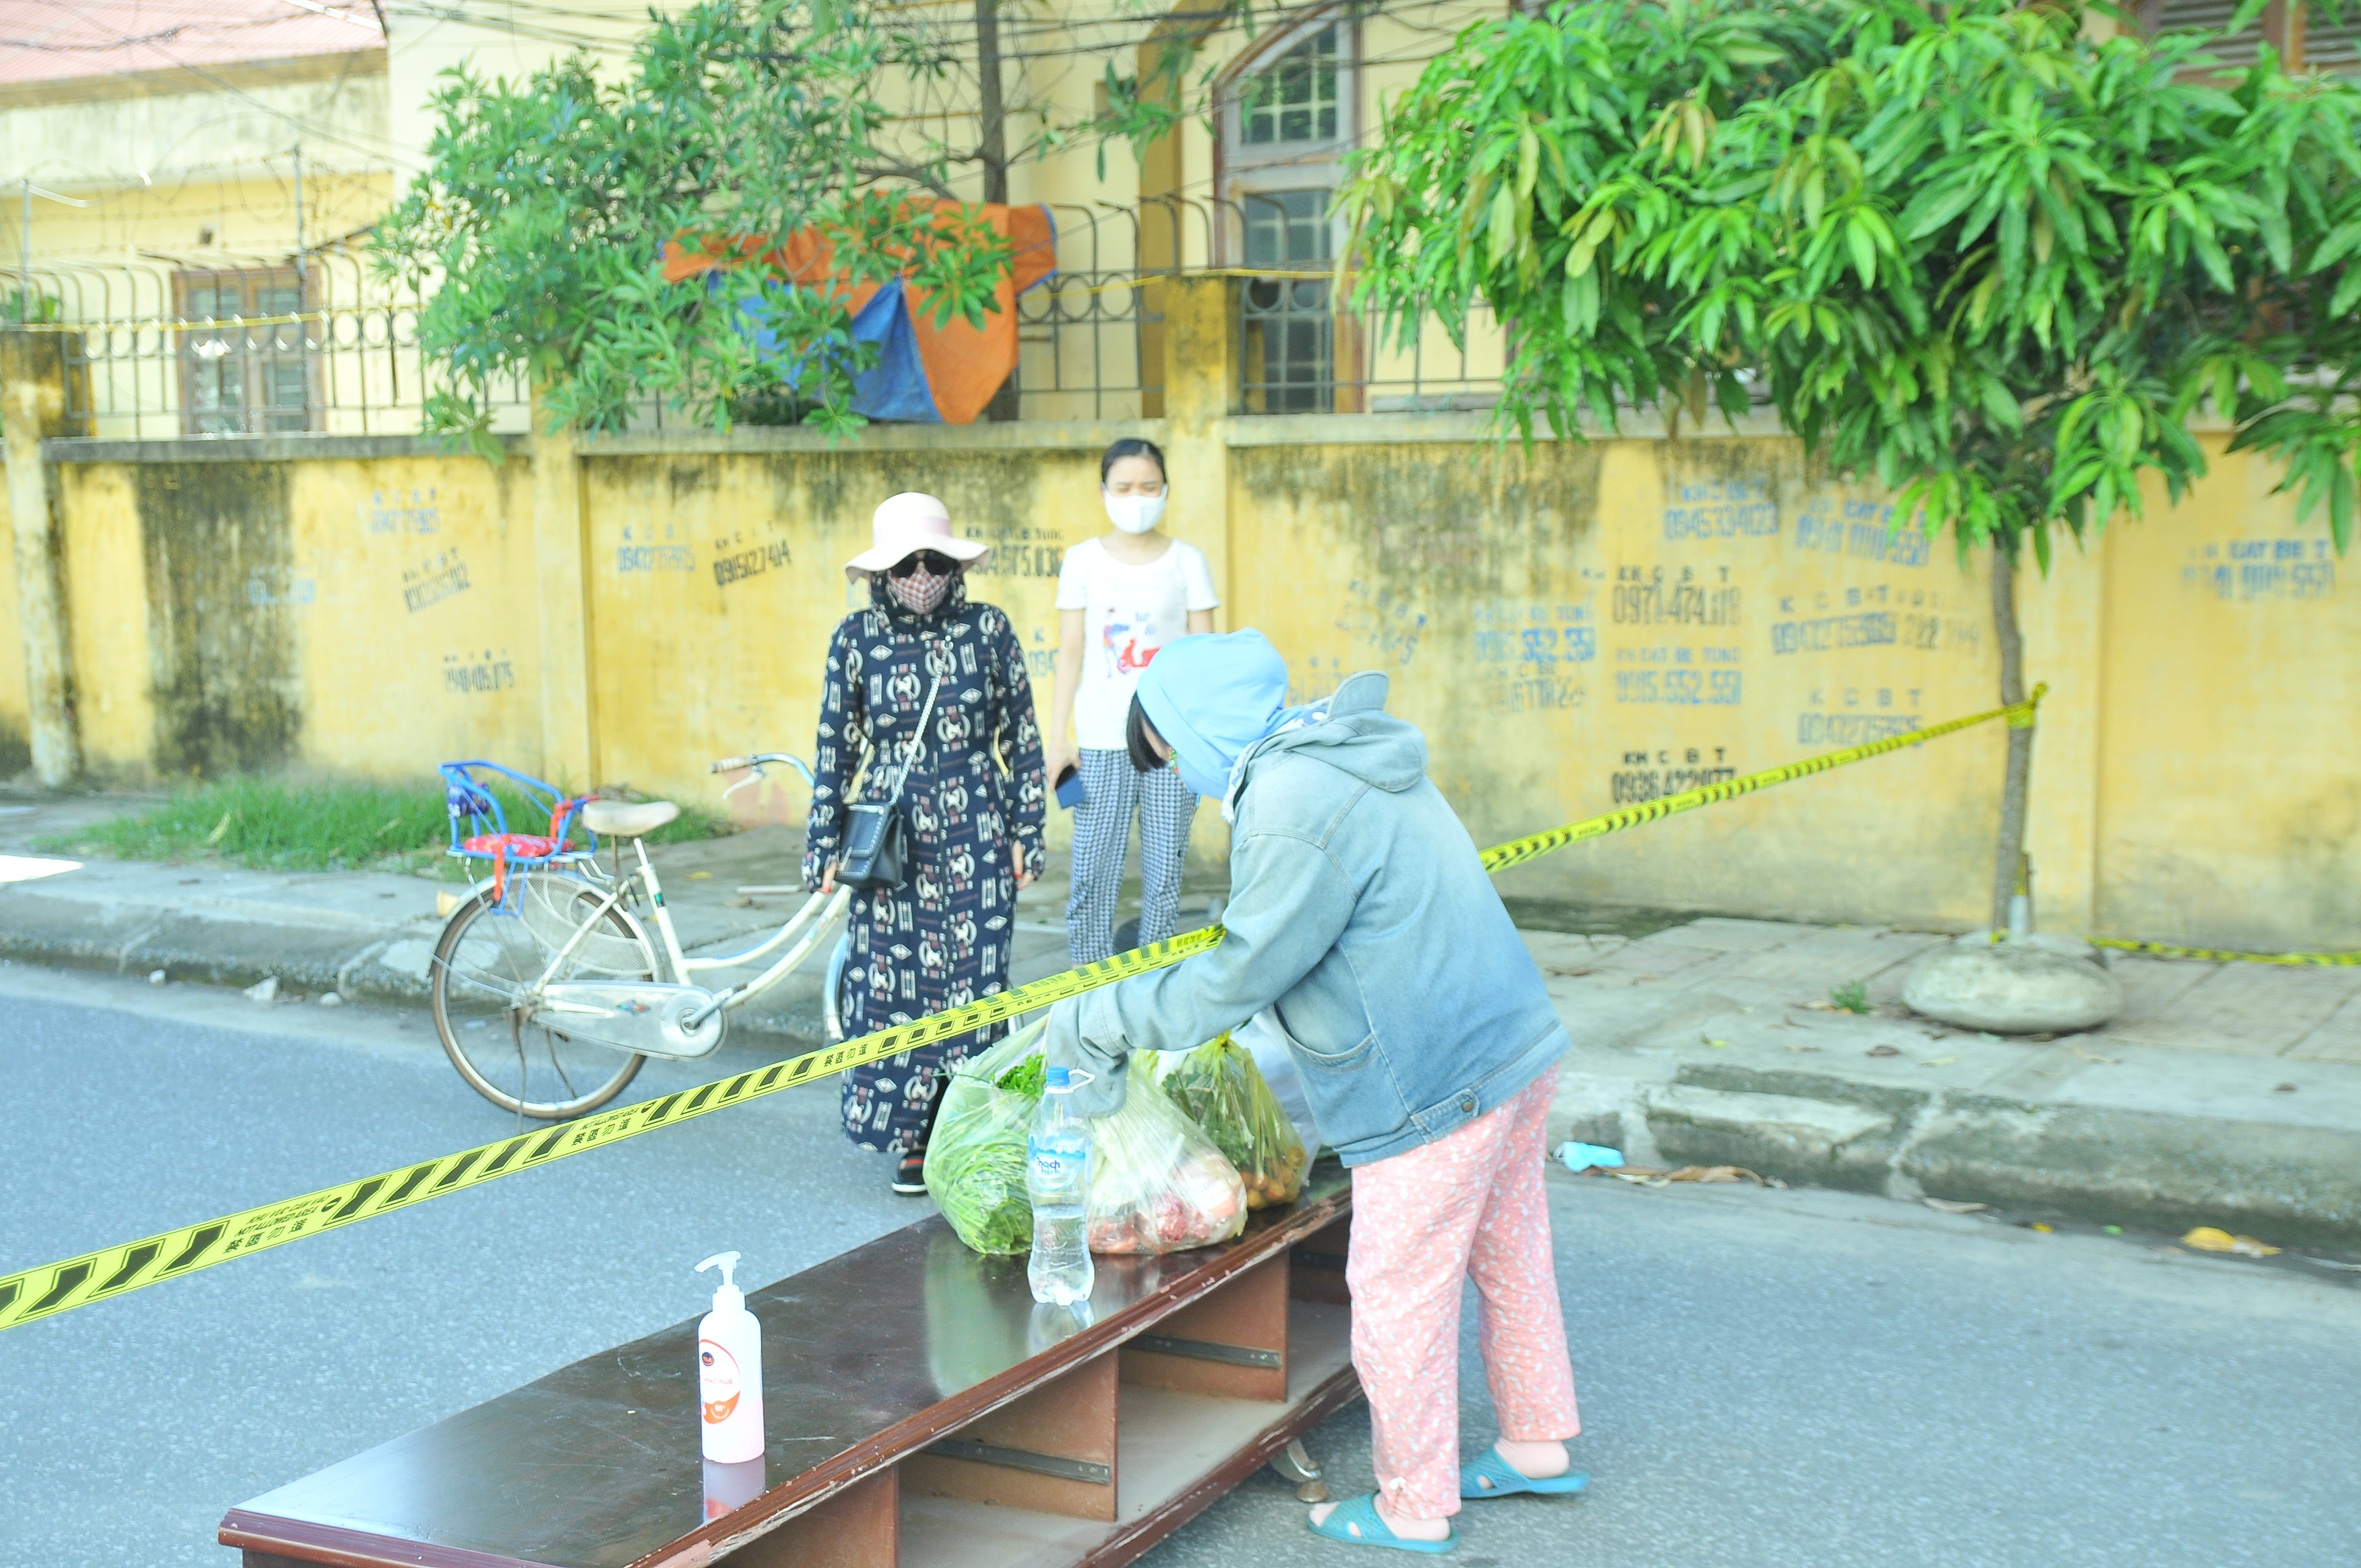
[[991, 151]]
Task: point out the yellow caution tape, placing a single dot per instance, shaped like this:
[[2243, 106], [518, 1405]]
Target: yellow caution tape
[[2214, 956], [116, 1270], [1500, 857], [112, 1271]]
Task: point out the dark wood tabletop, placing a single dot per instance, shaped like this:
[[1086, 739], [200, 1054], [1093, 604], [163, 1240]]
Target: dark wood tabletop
[[866, 1358]]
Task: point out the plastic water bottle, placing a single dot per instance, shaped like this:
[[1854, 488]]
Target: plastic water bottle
[[1058, 1179]]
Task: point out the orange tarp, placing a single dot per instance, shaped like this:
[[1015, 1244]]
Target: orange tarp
[[966, 364]]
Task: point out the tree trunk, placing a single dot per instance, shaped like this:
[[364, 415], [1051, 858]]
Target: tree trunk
[[992, 116], [2011, 853], [991, 151]]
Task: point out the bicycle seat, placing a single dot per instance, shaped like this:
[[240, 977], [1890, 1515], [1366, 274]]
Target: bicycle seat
[[615, 819]]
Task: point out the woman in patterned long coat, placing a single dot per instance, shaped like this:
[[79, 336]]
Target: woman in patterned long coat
[[973, 809]]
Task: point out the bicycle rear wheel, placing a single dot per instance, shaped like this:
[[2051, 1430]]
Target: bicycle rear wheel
[[487, 960]]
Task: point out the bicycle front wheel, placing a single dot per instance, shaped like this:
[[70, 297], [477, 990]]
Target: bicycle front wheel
[[487, 961]]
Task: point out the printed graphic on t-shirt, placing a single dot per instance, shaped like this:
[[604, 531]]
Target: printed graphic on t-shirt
[[1124, 644]]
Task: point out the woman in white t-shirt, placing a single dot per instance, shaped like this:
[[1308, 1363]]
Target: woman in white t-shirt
[[1121, 597]]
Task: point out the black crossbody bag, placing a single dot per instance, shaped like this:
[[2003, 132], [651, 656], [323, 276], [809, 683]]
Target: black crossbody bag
[[876, 840]]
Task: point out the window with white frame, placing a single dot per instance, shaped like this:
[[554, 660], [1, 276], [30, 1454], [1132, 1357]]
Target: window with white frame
[[1287, 120], [1295, 99]]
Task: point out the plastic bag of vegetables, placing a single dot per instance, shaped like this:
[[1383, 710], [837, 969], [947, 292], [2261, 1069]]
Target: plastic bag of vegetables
[[975, 1160], [1222, 1091], [1157, 1183]]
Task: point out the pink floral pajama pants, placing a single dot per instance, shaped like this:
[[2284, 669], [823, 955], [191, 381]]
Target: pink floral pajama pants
[[1469, 1205]]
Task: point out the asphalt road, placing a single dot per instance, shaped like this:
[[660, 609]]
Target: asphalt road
[[1767, 1377]]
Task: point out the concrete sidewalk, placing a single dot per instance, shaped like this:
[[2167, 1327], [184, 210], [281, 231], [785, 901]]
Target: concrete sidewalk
[[2227, 1094]]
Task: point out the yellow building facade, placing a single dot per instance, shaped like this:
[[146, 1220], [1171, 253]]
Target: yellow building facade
[[1577, 627]]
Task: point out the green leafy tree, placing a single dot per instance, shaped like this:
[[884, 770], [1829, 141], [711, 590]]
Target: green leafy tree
[[1992, 255], [538, 225]]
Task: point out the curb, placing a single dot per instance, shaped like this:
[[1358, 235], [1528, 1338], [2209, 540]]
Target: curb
[[2106, 1164]]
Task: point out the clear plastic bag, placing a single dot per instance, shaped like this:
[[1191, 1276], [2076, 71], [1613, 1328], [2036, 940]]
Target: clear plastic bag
[[975, 1158], [1218, 1087], [1157, 1183]]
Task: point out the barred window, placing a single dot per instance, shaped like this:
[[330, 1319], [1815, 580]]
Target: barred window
[[246, 371]]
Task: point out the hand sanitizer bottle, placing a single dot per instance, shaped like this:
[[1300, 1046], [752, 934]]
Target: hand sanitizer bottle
[[730, 1371]]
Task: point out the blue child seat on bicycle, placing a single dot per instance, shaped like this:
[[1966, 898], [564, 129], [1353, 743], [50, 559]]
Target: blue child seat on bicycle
[[480, 828]]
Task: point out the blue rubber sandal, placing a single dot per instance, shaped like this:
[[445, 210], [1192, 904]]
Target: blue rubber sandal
[[1493, 1476], [1363, 1511]]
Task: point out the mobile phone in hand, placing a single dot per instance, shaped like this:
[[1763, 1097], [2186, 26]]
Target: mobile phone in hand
[[1071, 792]]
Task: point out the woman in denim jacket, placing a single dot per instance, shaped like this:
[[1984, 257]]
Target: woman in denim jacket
[[1363, 926]]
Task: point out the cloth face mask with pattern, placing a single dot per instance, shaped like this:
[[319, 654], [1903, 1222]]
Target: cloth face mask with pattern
[[918, 588]]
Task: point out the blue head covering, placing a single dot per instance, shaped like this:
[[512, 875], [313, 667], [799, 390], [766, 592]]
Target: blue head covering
[[1211, 698]]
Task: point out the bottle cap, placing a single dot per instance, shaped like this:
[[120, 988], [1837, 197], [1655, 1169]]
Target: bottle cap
[[729, 1298], [1060, 1080]]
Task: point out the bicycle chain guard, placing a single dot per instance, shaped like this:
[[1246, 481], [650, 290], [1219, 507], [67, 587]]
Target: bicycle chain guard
[[640, 1016]]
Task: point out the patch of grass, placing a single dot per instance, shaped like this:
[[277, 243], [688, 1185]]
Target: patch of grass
[[270, 825], [1851, 997]]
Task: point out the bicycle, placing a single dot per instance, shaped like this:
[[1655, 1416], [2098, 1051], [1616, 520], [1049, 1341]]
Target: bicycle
[[549, 959]]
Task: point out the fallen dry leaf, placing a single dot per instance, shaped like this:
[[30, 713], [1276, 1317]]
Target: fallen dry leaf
[[1947, 1206], [1815, 1006], [1881, 1051], [1709, 1040], [2205, 1238], [1799, 1048], [2104, 1061], [1719, 1173], [1939, 1061], [1649, 1175]]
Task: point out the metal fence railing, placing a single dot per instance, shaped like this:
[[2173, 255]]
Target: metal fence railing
[[163, 346], [211, 345], [1085, 335]]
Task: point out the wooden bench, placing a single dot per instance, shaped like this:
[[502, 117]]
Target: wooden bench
[[921, 1409]]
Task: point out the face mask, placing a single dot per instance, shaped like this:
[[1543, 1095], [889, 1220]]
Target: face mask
[[1133, 515], [919, 591]]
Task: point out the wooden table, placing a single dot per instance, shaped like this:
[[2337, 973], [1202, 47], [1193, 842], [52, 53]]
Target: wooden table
[[921, 1410]]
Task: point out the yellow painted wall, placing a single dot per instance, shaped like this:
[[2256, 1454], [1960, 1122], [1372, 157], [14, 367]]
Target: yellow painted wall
[[381, 606], [15, 714], [1576, 628], [2230, 776], [412, 585], [107, 621], [1597, 626], [715, 581]]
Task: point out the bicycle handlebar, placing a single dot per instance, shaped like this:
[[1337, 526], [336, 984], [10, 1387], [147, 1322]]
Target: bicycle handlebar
[[755, 762]]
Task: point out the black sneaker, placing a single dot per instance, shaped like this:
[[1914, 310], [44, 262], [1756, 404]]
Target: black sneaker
[[910, 1176]]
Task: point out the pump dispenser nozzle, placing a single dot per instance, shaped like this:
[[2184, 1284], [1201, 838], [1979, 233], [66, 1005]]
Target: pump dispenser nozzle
[[728, 1296]]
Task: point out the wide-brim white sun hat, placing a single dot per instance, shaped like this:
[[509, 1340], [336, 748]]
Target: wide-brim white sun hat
[[907, 524]]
